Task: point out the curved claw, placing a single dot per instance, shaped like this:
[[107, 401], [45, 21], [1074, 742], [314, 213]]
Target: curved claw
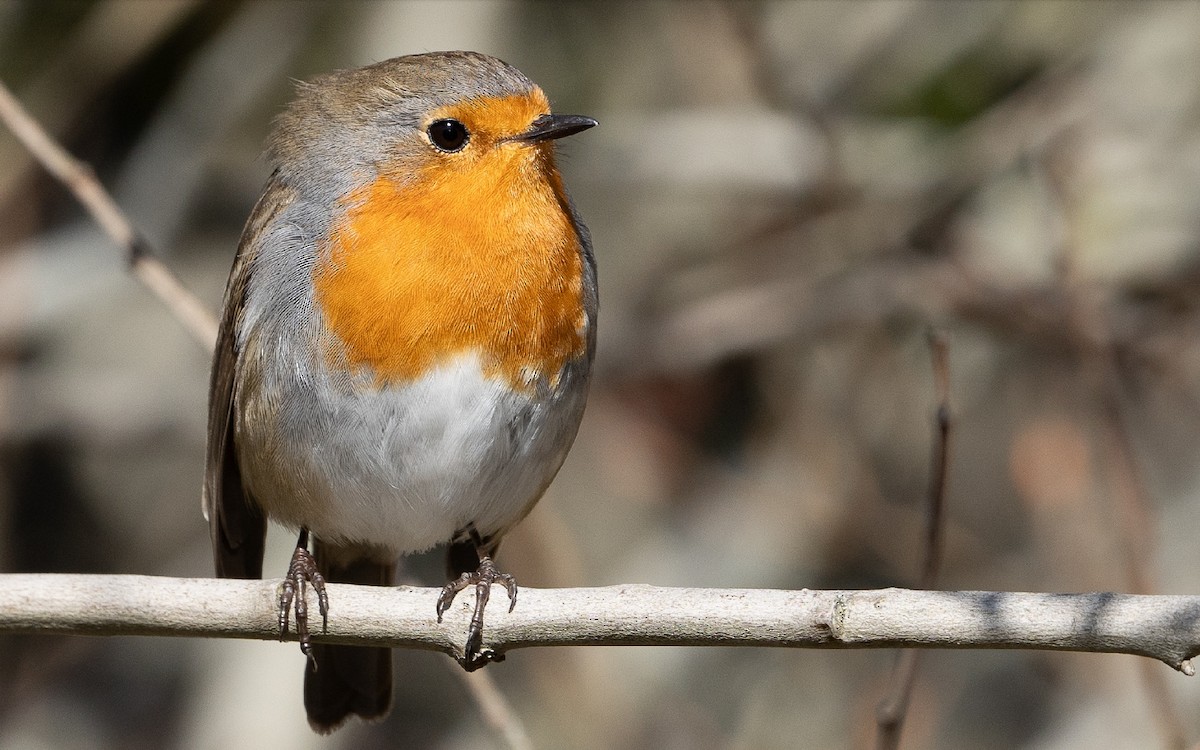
[[449, 591], [510, 585]]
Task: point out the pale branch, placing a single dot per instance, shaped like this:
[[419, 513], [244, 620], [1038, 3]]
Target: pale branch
[[1166, 628]]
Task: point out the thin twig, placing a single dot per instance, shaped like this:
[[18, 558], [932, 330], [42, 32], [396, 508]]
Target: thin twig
[[935, 508], [79, 178], [892, 710], [496, 710]]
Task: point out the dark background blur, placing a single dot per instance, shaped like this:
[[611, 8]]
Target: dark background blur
[[784, 197]]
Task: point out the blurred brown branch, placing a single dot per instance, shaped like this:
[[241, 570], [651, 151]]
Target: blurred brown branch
[[79, 178], [1166, 628], [891, 712], [496, 710]]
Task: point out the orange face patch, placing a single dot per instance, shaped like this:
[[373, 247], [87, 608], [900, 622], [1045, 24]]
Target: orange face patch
[[475, 252], [490, 118]]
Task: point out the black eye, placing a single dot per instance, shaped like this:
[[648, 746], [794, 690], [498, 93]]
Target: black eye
[[448, 135]]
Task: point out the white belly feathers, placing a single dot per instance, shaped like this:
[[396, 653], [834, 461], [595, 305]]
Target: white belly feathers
[[404, 467]]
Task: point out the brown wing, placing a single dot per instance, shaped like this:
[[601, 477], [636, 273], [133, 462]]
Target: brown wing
[[237, 526]]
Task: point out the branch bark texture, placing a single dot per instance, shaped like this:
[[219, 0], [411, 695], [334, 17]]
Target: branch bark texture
[[1166, 628]]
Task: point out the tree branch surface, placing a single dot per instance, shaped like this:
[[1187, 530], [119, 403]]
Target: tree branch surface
[[1166, 628]]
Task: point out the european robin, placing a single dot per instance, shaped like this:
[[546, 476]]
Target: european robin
[[406, 343]]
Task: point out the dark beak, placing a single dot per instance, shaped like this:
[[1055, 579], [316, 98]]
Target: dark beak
[[549, 127]]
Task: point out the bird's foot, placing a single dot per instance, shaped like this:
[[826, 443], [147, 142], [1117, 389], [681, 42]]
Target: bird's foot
[[482, 579], [292, 597]]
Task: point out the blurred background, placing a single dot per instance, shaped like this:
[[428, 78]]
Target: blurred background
[[785, 197]]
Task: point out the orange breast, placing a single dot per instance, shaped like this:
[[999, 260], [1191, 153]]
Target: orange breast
[[482, 260]]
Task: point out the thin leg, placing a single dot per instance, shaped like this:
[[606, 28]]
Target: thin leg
[[301, 572]]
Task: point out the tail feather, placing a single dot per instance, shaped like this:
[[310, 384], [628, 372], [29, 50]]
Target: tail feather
[[340, 681]]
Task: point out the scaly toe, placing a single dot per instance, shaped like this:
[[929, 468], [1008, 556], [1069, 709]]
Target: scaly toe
[[293, 598]]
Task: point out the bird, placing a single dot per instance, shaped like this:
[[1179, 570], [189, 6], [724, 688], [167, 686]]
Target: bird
[[405, 345]]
